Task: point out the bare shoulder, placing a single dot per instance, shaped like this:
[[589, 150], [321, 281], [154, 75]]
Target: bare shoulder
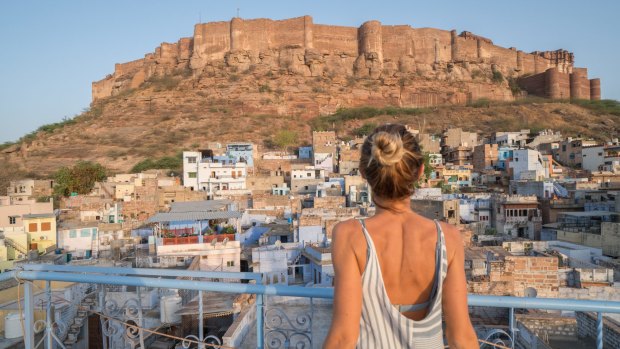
[[453, 238], [347, 240], [346, 231]]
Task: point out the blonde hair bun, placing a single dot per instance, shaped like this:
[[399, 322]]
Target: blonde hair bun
[[387, 148]]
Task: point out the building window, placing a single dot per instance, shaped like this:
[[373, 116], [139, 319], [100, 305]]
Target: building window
[[46, 226], [12, 220], [32, 227], [85, 233], [191, 159], [72, 233], [230, 263], [191, 174]]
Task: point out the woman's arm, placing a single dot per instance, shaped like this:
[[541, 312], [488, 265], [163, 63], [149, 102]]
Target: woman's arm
[[344, 330], [459, 330]]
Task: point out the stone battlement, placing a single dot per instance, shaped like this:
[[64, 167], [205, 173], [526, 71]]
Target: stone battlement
[[371, 51]]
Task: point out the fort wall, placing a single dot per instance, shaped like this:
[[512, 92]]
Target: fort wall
[[370, 51], [556, 84]]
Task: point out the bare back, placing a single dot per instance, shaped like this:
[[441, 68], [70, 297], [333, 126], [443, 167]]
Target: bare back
[[406, 251], [405, 245]]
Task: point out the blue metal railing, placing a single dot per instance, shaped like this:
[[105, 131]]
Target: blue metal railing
[[166, 278]]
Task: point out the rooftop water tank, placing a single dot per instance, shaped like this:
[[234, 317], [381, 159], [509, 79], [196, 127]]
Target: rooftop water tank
[[168, 306], [13, 326]]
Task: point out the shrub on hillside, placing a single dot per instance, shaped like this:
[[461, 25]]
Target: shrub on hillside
[[79, 179]]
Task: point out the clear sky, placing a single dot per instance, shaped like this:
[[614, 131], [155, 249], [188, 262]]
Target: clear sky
[[51, 51]]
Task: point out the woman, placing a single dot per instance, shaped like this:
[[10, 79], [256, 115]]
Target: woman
[[397, 272]]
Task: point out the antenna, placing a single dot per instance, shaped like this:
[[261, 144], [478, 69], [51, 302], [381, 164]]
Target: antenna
[[237, 12], [200, 17]]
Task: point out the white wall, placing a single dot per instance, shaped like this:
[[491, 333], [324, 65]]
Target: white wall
[[310, 233], [592, 158]]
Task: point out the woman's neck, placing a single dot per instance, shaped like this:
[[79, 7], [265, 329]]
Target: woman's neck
[[398, 206]]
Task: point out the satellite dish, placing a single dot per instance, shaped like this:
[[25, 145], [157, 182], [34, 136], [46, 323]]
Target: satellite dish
[[278, 244], [213, 242], [225, 241]]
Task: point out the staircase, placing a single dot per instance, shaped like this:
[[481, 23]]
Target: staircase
[[78, 322], [16, 245], [296, 260]]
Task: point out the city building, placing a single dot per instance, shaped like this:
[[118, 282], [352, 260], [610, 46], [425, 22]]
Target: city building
[[242, 152], [218, 176], [517, 216], [485, 157], [528, 164]]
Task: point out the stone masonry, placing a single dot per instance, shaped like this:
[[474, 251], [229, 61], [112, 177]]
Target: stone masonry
[[372, 51]]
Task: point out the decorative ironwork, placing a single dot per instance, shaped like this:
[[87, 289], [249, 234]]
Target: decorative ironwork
[[129, 312], [497, 336], [282, 332]]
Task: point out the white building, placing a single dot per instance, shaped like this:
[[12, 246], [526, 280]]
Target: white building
[[528, 164], [214, 256], [82, 242], [277, 263], [592, 158], [435, 159], [512, 138], [215, 175], [324, 161]]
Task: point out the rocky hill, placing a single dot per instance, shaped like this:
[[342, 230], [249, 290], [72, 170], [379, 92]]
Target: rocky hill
[[244, 80]]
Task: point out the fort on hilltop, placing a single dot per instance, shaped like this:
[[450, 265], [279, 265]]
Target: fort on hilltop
[[372, 51]]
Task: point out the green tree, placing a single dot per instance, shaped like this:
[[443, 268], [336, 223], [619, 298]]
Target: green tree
[[428, 168], [284, 139], [79, 179]]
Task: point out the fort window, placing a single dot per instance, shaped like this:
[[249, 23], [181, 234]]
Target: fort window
[[32, 227], [12, 219], [47, 226]]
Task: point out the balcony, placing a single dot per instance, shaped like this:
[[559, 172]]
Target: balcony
[[130, 320]]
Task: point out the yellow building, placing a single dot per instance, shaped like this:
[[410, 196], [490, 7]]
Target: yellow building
[[41, 230], [456, 176]]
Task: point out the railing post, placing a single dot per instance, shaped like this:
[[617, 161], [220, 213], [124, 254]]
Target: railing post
[[101, 309], [260, 335], [201, 335], [49, 341], [28, 316], [599, 330], [511, 323]]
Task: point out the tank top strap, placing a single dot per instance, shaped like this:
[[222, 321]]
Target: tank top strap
[[369, 245]]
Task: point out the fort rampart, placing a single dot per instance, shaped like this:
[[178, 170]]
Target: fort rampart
[[371, 51]]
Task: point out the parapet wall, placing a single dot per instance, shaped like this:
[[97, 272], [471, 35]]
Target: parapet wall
[[556, 84], [368, 51]]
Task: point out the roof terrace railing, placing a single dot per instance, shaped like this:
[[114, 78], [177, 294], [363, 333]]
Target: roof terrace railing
[[250, 283]]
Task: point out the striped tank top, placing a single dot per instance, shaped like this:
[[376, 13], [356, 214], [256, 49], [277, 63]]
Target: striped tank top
[[382, 325]]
